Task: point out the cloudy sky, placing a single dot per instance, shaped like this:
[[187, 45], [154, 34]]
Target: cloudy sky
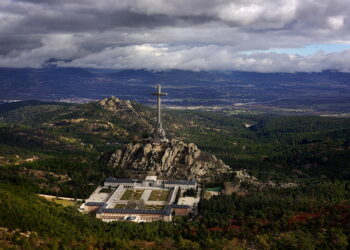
[[248, 35]]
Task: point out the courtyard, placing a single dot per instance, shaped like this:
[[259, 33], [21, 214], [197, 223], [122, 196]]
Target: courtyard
[[132, 194], [159, 195]]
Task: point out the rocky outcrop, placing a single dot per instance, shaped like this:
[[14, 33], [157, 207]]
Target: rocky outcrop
[[170, 160], [124, 109], [114, 104]]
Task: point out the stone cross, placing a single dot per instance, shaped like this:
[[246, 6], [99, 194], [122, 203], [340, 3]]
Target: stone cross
[[159, 132]]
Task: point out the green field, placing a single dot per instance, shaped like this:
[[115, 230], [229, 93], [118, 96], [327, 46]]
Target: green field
[[159, 195], [65, 203], [131, 194]]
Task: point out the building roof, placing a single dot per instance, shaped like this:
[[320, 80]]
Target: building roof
[[131, 211], [114, 180], [179, 206], [174, 182], [180, 182], [151, 178], [166, 211]]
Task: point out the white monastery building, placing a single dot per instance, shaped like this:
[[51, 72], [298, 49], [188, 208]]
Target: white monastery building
[[138, 200]]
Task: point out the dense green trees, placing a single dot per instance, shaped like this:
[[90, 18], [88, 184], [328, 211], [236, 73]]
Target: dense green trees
[[311, 217]]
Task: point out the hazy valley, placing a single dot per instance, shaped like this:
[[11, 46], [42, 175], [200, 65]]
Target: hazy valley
[[325, 93]]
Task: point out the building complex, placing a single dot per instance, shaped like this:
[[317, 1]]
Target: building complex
[[139, 200], [142, 200]]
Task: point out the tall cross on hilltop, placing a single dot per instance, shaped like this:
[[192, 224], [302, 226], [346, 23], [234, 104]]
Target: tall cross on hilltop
[[159, 133]]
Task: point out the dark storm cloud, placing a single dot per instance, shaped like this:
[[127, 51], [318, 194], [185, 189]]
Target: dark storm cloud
[[16, 44], [184, 34], [87, 22], [52, 17]]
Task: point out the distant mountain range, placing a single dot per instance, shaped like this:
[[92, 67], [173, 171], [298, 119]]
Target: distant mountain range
[[323, 92]]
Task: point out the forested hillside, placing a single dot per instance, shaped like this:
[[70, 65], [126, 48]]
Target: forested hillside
[[312, 217], [59, 149]]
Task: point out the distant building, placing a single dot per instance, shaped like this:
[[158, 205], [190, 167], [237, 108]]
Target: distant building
[[138, 200]]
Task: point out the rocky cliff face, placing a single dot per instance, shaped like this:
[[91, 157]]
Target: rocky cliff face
[[170, 160]]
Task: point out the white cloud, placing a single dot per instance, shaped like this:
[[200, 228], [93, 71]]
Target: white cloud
[[210, 57], [336, 22], [163, 34]]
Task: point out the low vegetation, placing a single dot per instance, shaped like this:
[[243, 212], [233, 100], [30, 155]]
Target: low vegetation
[[297, 218]]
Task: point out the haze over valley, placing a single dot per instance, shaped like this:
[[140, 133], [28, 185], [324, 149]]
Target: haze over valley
[[323, 93]]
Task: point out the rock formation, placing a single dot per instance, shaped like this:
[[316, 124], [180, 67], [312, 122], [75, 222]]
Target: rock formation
[[114, 104], [124, 110], [172, 159]]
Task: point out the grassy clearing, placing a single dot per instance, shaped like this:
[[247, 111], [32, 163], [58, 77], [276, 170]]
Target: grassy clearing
[[131, 194], [65, 203], [159, 195]]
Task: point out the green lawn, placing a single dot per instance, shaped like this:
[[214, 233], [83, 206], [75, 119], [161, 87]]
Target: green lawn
[[131, 194], [159, 195]]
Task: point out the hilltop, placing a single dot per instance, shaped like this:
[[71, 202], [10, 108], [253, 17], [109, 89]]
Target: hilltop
[[172, 159]]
